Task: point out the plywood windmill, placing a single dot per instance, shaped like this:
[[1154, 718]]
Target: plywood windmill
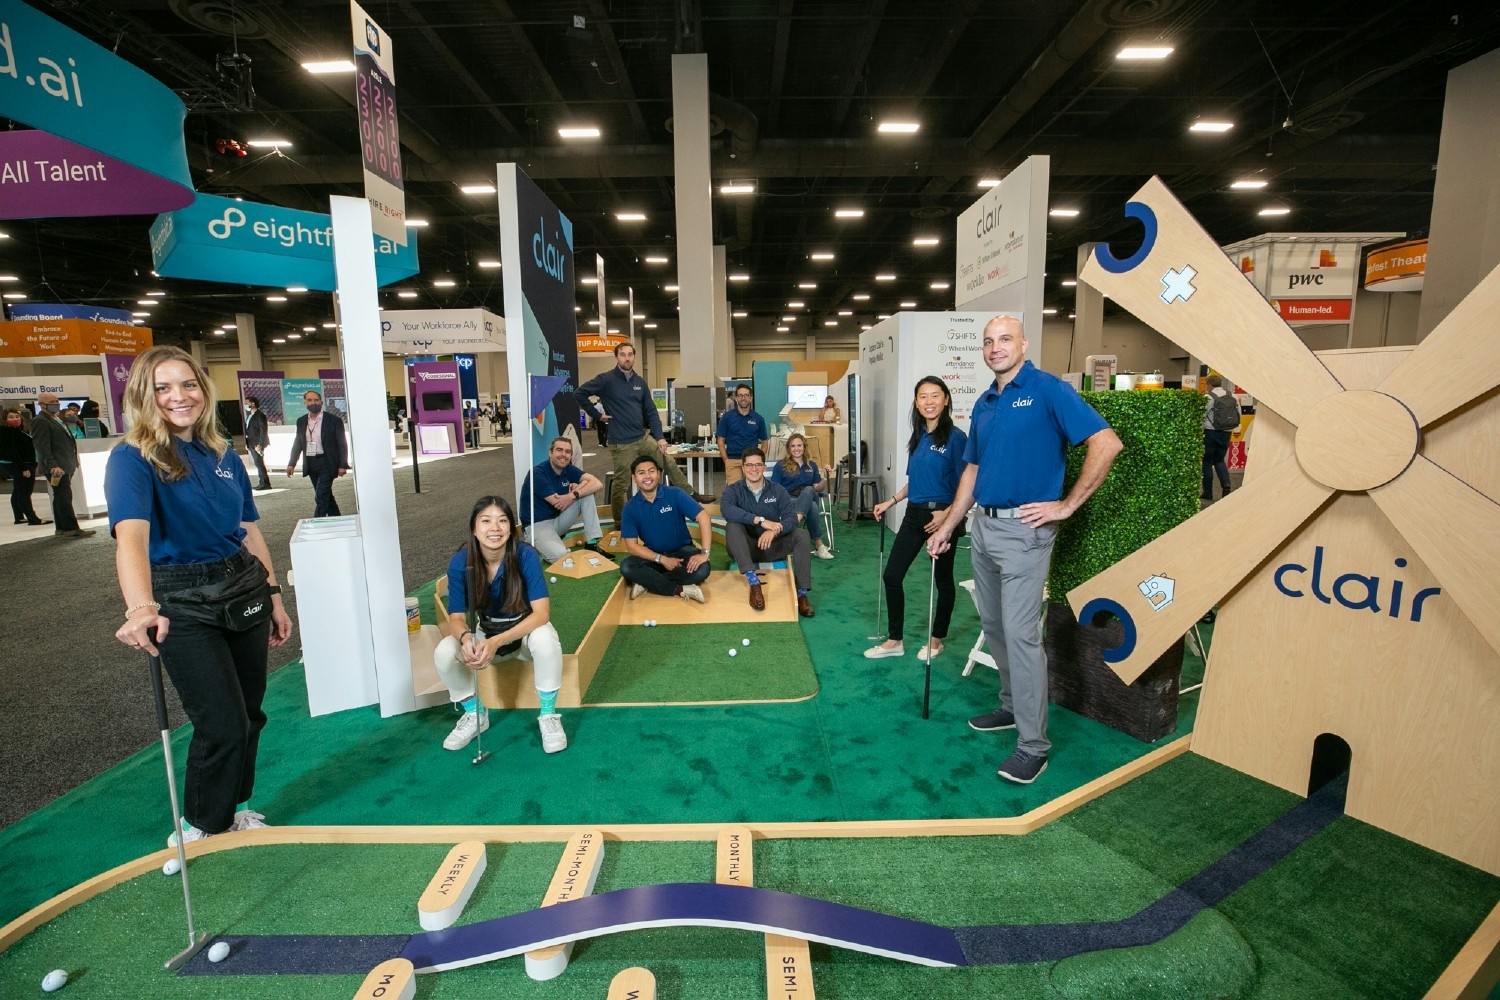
[[1360, 561]]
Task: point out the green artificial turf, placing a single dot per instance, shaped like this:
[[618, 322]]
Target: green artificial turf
[[1206, 958], [691, 663]]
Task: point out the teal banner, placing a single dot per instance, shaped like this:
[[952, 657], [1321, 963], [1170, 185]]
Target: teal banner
[[223, 239], [59, 82], [292, 390]]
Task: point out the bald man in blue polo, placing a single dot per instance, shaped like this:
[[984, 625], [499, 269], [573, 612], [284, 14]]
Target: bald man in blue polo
[[1019, 434]]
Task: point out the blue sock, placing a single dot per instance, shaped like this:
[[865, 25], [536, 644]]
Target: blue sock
[[802, 592], [469, 704], [751, 578], [549, 702]]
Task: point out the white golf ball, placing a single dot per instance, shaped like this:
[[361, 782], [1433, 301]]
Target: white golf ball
[[54, 981], [554, 579], [744, 642], [734, 652], [218, 951], [172, 867], [652, 623]]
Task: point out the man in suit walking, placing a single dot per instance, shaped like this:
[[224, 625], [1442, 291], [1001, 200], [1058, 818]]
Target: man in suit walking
[[57, 458], [325, 456], [257, 436]]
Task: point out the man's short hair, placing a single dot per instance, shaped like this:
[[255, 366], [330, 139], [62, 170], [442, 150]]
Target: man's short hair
[[756, 452], [747, 388], [313, 392], [252, 399], [562, 440], [1214, 381], [621, 347], [642, 460]]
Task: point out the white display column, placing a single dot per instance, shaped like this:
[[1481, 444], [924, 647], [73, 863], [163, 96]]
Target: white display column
[[695, 221], [244, 333]]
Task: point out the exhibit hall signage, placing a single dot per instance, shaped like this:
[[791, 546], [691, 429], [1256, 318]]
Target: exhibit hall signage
[[1309, 278], [379, 137], [49, 310], [109, 136], [70, 338], [226, 239], [441, 331], [1399, 268]]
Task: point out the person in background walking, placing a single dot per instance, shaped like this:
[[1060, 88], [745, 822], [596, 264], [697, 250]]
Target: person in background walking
[[57, 457], [18, 455]]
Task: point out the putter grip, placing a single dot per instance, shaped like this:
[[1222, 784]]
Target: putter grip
[[157, 692]]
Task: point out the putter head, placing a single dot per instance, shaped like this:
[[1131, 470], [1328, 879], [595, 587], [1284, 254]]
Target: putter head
[[480, 757], [180, 959]]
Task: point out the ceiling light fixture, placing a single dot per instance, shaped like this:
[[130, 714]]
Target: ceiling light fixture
[[309, 329], [1275, 210], [783, 329], [940, 286], [593, 322], [989, 182], [1069, 282], [156, 293], [925, 241], [14, 295], [830, 322], [145, 302], [443, 283], [846, 312], [278, 340], [1063, 213], [885, 277], [1210, 126], [807, 284], [269, 143], [488, 264], [649, 326], [406, 295], [739, 315], [326, 66], [670, 288], [619, 302], [416, 223], [477, 188], [789, 319], [1248, 184], [739, 276], [737, 187], [275, 298], [578, 132], [796, 305], [630, 216], [657, 260], [898, 128], [860, 296], [908, 305], [1143, 53], [849, 213], [294, 336], [1049, 312], [820, 255], [588, 281], [296, 289], [330, 326]]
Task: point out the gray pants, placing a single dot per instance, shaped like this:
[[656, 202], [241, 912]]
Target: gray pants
[[740, 540], [547, 536], [622, 455], [1010, 562]]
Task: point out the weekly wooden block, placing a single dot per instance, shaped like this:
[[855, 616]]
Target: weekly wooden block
[[728, 601], [788, 969], [575, 877], [735, 857], [449, 891], [394, 979], [634, 983]]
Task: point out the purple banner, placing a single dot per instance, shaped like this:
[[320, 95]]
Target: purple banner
[[266, 388], [43, 176], [116, 373], [433, 398]]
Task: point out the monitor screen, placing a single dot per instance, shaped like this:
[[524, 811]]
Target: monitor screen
[[433, 401], [806, 397]]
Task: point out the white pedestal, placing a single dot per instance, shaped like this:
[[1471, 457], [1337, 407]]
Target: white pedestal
[[338, 658]]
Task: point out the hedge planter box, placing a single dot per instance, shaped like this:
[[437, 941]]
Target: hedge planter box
[[1082, 682]]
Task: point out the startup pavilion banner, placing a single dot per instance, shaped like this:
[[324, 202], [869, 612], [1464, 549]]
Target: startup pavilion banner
[[536, 255]]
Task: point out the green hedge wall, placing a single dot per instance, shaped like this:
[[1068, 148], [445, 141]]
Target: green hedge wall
[[1152, 488]]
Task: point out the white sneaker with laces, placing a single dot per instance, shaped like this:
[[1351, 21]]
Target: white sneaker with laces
[[248, 819], [693, 592], [553, 737], [823, 551], [190, 833], [463, 733], [636, 590], [881, 651]]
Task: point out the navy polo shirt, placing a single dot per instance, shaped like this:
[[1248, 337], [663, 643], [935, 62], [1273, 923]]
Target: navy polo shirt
[[932, 473], [741, 432], [662, 524], [197, 519], [531, 574], [808, 475], [548, 481], [627, 400], [1019, 438]]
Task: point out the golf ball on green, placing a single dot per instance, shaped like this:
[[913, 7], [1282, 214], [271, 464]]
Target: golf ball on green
[[172, 867], [734, 652], [54, 981], [554, 579], [744, 642], [218, 952]]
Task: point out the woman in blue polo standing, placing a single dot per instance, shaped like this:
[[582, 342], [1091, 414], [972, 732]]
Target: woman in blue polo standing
[[933, 466], [197, 579]]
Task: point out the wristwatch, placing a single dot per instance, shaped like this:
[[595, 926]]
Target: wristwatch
[[275, 588], [758, 520]]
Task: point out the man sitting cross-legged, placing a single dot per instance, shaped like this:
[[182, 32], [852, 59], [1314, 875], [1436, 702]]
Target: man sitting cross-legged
[[761, 522], [565, 495], [663, 558]]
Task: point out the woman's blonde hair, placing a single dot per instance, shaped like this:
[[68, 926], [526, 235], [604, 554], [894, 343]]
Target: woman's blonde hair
[[149, 430], [790, 464]]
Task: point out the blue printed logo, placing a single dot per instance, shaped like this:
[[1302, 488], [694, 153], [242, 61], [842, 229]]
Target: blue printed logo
[[1355, 591]]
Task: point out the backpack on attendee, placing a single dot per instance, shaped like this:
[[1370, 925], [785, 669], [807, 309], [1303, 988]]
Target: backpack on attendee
[[1224, 413]]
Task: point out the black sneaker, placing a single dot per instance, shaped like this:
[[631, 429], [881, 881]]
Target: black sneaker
[[594, 548], [1022, 768], [993, 722]]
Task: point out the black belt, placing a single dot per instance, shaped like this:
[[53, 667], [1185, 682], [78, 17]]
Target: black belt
[[930, 504], [1009, 513]]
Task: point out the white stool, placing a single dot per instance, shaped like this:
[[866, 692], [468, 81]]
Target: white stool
[[977, 654]]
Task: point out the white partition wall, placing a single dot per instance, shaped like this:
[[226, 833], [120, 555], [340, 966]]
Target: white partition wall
[[1000, 250]]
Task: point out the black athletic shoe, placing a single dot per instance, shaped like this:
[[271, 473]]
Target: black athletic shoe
[[993, 722], [1022, 768], [594, 548]]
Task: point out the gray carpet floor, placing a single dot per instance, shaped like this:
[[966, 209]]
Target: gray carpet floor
[[74, 701]]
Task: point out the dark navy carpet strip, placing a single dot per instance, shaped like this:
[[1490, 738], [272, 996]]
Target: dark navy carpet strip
[[698, 904]]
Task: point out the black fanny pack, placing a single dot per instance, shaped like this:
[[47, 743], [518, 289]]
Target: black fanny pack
[[237, 596], [493, 624]]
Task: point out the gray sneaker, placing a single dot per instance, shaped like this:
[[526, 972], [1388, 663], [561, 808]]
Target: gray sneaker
[[636, 590], [693, 592], [993, 722], [1022, 768]]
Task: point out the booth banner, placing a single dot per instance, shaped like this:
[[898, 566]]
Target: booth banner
[[379, 137], [116, 374], [441, 331], [433, 400], [1301, 312], [1399, 268], [70, 338], [265, 388], [1311, 270], [247, 243], [594, 344], [992, 235], [50, 310], [335, 397], [28, 387], [112, 141], [950, 346], [292, 389], [468, 376]]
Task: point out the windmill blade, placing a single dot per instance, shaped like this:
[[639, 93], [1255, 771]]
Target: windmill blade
[[1457, 361], [1239, 531], [1455, 530], [1230, 324]]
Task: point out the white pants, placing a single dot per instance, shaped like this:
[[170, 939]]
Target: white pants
[[542, 647], [547, 536]]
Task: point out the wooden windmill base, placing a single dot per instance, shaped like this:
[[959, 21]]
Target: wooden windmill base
[[1081, 681]]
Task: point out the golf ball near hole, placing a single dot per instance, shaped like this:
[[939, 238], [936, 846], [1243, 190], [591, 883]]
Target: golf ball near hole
[[218, 952], [734, 652], [554, 579], [744, 642], [172, 867], [54, 981]]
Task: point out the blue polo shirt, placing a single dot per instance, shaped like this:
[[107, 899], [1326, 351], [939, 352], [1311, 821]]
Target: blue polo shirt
[[1020, 437], [662, 524], [531, 573], [627, 400], [197, 519], [741, 432], [808, 475], [548, 481], [932, 472]]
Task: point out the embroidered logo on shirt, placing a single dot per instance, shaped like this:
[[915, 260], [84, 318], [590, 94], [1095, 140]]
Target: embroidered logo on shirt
[[944, 449], [664, 510], [223, 473], [1021, 402]]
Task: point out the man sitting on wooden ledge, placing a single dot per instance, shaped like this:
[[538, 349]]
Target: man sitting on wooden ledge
[[663, 558], [760, 522]]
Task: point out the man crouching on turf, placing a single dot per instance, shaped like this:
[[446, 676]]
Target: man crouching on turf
[[663, 558], [761, 522]]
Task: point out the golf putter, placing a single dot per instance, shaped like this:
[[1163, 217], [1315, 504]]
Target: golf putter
[[927, 675], [879, 582], [195, 941], [480, 753]]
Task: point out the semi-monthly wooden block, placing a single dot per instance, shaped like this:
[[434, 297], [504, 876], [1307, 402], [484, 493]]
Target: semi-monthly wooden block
[[574, 878], [634, 983], [448, 893], [788, 962], [394, 979]]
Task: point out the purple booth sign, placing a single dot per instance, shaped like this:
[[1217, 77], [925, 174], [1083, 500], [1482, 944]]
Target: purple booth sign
[[43, 176]]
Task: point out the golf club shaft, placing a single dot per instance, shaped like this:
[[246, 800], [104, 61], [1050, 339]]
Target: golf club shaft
[[927, 672], [879, 580], [159, 694]]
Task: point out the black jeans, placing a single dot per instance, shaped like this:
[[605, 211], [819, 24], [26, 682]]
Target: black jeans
[[220, 676], [63, 517], [22, 482], [1215, 450], [660, 581], [910, 541], [321, 470], [260, 468]]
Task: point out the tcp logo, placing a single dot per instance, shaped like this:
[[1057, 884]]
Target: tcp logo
[[233, 218], [372, 36]]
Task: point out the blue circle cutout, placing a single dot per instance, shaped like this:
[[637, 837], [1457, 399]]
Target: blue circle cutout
[[1108, 261], [1100, 605]]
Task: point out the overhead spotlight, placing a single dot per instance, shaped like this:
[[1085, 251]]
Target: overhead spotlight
[[1204, 125], [477, 188], [1143, 53], [849, 213], [630, 216], [578, 132], [737, 187], [1248, 184], [1063, 213], [898, 128], [329, 66]]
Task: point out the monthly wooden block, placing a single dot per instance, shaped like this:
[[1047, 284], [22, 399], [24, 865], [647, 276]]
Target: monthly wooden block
[[448, 893], [634, 983], [575, 877], [394, 979], [735, 857]]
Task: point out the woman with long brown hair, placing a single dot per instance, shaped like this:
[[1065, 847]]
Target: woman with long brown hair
[[497, 603], [199, 587], [802, 478]]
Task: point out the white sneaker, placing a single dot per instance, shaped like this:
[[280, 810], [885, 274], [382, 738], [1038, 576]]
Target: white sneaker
[[693, 592], [248, 819], [636, 590], [190, 833], [882, 651], [823, 551], [463, 733], [553, 737], [927, 652]]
